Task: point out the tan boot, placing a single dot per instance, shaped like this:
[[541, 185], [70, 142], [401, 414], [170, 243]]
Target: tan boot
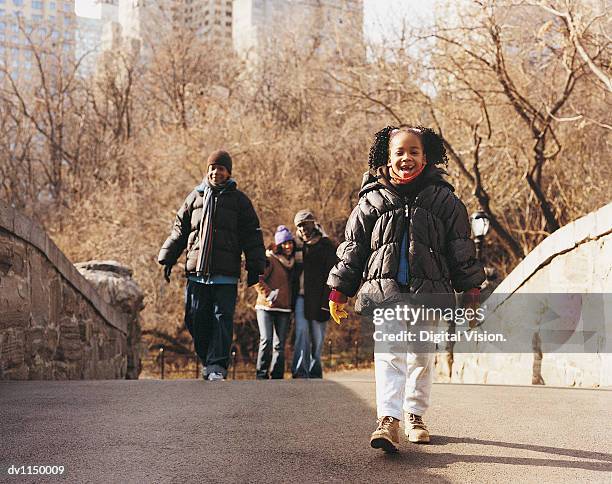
[[415, 429], [386, 435]]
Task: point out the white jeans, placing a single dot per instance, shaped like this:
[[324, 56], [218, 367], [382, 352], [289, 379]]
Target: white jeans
[[404, 375], [403, 381]]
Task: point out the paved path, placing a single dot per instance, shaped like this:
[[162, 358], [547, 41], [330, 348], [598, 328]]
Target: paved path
[[299, 431]]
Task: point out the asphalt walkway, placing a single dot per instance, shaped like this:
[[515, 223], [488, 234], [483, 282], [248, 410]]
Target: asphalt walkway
[[298, 431]]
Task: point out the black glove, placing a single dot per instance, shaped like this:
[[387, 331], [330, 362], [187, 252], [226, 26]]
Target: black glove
[[167, 272], [252, 279]]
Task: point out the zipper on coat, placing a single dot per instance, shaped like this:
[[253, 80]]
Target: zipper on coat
[[207, 265], [407, 254]]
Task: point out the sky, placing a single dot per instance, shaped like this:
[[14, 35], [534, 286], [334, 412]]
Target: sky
[[379, 15]]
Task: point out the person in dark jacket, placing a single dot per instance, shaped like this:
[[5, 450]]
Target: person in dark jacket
[[316, 255], [409, 234], [215, 224]]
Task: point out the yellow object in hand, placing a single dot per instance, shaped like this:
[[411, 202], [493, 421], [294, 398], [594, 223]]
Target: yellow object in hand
[[337, 311]]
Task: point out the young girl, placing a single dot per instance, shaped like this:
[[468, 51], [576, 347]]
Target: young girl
[[409, 233], [274, 305]]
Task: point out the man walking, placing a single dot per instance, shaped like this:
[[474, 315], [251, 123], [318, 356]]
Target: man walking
[[315, 257], [216, 224]]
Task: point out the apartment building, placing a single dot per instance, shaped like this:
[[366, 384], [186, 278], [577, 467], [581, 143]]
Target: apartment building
[[90, 31], [145, 20], [328, 26], [47, 26]]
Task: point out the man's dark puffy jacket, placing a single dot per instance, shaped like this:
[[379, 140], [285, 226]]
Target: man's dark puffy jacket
[[235, 230], [441, 255]]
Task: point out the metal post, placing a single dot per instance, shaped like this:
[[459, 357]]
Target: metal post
[[356, 353], [197, 361], [329, 348], [233, 363], [479, 243], [161, 360]]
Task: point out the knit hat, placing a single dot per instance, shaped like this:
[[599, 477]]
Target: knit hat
[[283, 234], [303, 216], [222, 158]]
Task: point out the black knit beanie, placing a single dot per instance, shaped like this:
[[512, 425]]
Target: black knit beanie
[[222, 158]]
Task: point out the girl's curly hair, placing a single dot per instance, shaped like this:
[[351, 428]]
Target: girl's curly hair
[[433, 145]]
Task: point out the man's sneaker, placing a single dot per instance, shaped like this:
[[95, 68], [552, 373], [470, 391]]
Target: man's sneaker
[[215, 376], [386, 435], [415, 429]]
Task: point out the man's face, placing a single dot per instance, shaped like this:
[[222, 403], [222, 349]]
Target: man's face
[[306, 228], [218, 174]]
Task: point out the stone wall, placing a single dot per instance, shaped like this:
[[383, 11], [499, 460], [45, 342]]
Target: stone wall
[[575, 259], [53, 323], [114, 283]]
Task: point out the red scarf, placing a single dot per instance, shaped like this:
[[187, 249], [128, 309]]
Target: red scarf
[[398, 180]]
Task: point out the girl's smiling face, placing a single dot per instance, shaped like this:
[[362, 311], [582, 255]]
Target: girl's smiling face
[[287, 248], [406, 155]]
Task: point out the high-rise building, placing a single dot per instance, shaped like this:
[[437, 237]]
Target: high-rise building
[[327, 26], [90, 33], [26, 26], [145, 20]]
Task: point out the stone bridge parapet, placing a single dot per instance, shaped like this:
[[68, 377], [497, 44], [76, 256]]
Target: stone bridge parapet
[[53, 323]]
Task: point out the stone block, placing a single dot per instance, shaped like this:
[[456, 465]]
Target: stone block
[[69, 345], [54, 255], [6, 253], [40, 369], [12, 349], [60, 370], [85, 330], [55, 299], [7, 215], [14, 303], [20, 372], [38, 239], [580, 230], [52, 336], [35, 342], [22, 226], [19, 257], [70, 302], [39, 289], [603, 221]]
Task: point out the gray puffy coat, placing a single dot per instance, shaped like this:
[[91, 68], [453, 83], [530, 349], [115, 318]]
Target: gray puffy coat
[[441, 254]]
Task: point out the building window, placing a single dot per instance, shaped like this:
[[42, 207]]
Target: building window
[[37, 4], [51, 5], [228, 24], [19, 3]]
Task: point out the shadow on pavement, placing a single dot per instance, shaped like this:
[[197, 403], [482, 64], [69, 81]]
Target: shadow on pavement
[[445, 459]]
